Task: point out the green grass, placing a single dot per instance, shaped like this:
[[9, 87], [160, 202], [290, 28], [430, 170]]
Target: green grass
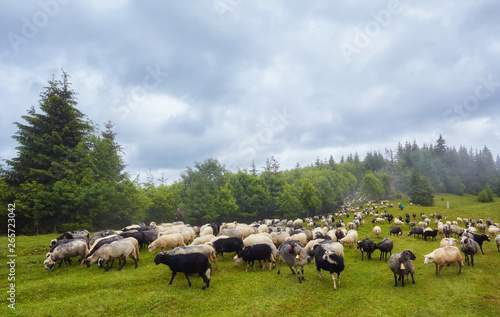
[[367, 286]]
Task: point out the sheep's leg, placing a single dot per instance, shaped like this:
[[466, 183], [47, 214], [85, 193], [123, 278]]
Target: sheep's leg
[[338, 277], [436, 270], [298, 273], [279, 266], [124, 261], [440, 268], [302, 271], [187, 277], [395, 280], [460, 267], [248, 264], [270, 265], [412, 279], [205, 280], [334, 284], [291, 268], [135, 261], [173, 275], [472, 259], [402, 279], [481, 246], [319, 274]]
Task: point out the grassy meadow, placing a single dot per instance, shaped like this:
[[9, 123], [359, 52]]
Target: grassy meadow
[[367, 286]]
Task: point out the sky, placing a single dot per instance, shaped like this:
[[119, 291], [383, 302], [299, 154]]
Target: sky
[[243, 81]]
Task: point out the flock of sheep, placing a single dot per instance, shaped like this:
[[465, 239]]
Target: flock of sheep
[[293, 243]]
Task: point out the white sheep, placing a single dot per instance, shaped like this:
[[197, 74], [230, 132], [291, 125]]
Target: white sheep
[[377, 231], [448, 241], [121, 249], [167, 241], [302, 237], [351, 238], [207, 231], [256, 238], [497, 241], [443, 256], [398, 222], [203, 239], [279, 237], [492, 230], [263, 229], [246, 230]]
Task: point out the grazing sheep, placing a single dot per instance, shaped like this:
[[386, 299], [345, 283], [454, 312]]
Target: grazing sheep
[[492, 230], [206, 231], [302, 237], [385, 246], [416, 231], [365, 246], [203, 249], [167, 241], [100, 234], [188, 264], [398, 222], [256, 252], [469, 247], [448, 242], [443, 256], [479, 238], [102, 241], [328, 261], [230, 244], [447, 231], [121, 250], [351, 238], [279, 237], [394, 230], [457, 230], [400, 264], [294, 256], [63, 251], [232, 233], [497, 241], [203, 239], [256, 238], [376, 231]]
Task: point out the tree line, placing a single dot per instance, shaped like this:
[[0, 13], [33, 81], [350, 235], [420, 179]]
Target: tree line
[[69, 174]]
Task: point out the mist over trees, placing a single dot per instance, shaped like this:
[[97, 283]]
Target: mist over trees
[[69, 175]]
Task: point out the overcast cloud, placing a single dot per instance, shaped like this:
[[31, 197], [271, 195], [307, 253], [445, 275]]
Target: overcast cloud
[[241, 80]]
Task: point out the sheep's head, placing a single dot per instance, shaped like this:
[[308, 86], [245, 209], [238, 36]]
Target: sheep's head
[[428, 259], [408, 255]]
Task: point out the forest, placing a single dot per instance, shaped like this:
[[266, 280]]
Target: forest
[[70, 174]]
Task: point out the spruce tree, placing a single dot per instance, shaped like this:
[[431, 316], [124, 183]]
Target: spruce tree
[[420, 189]]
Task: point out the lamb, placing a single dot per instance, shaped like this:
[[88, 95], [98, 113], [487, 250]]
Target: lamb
[[448, 241], [469, 247], [294, 256], [394, 230], [167, 241], [430, 233], [188, 264], [230, 244], [497, 241], [63, 251], [385, 246], [366, 246], [203, 249], [376, 231], [479, 239], [351, 238], [121, 250], [328, 261], [400, 264], [256, 252], [443, 256]]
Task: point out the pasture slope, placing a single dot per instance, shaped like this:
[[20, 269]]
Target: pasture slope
[[367, 287]]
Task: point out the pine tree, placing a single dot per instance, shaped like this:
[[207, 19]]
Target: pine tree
[[420, 189]]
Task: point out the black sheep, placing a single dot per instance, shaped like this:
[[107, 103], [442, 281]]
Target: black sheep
[[385, 246], [416, 231], [328, 261], [395, 230], [480, 238], [430, 233], [138, 235], [231, 244], [255, 252], [188, 264], [366, 246]]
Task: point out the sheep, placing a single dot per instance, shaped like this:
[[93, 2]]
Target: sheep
[[207, 231], [102, 241], [294, 256], [188, 264], [203, 249], [376, 231], [138, 235], [230, 244], [394, 230], [351, 238], [385, 246], [497, 241], [400, 264], [328, 261], [430, 233], [232, 233], [457, 230], [443, 256], [416, 231], [469, 247], [398, 222], [256, 252], [63, 251], [448, 241], [279, 237], [447, 231], [302, 237], [492, 230], [340, 233], [479, 239], [121, 249], [135, 243], [167, 241], [188, 235], [245, 230], [365, 246], [203, 239], [100, 234], [256, 238]]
